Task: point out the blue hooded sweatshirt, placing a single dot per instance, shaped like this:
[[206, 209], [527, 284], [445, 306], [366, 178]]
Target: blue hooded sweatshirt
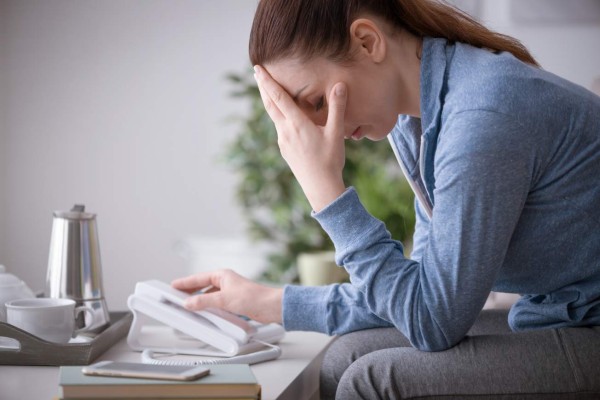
[[505, 165]]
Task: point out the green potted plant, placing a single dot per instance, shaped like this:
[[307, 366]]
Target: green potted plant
[[274, 204]]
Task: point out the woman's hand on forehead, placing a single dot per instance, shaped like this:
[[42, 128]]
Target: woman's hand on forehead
[[278, 103], [314, 153]]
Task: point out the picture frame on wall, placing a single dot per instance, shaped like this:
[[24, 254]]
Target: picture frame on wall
[[555, 12]]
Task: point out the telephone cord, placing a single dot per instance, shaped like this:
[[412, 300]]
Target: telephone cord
[[273, 352]]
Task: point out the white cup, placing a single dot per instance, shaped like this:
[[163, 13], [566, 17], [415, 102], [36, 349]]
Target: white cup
[[50, 319]]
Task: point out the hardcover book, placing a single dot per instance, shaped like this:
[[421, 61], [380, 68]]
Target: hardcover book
[[224, 381]]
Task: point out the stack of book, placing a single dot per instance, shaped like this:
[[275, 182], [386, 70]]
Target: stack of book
[[233, 381]]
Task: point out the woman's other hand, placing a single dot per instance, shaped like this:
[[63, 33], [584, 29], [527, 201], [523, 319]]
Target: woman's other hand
[[232, 292], [314, 153]]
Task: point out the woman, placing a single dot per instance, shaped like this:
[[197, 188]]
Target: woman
[[503, 158]]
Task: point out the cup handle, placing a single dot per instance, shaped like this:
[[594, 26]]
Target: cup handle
[[85, 309]]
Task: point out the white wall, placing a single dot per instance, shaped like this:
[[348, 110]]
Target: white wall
[[3, 79], [569, 49], [122, 106]]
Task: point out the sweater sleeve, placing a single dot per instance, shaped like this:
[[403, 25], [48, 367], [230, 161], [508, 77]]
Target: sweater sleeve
[[482, 176], [333, 309]]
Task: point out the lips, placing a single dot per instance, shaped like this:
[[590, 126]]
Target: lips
[[356, 135]]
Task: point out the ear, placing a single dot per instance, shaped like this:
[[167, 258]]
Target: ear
[[368, 39]]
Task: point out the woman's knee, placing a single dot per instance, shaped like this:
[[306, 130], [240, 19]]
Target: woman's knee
[[370, 377], [338, 357], [346, 349], [391, 374]]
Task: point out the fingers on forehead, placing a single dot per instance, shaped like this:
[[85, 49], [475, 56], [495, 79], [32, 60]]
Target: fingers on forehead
[[270, 106], [279, 96]]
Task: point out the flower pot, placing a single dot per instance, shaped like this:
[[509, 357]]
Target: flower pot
[[319, 268]]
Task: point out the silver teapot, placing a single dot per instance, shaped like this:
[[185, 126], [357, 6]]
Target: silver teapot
[[74, 267]]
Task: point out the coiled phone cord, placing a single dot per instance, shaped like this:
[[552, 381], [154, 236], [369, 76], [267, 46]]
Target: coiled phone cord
[[273, 352]]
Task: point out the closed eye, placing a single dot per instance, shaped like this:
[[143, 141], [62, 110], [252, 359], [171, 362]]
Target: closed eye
[[320, 103]]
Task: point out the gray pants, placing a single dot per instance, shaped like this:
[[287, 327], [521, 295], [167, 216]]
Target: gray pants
[[492, 362]]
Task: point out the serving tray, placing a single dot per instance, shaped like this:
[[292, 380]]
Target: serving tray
[[31, 350]]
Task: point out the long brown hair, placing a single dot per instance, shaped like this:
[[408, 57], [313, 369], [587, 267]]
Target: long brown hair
[[308, 28]]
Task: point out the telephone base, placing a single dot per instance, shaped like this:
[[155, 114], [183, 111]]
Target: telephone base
[[155, 301]]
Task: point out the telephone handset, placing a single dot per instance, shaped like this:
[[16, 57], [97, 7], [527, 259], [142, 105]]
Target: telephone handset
[[209, 332]]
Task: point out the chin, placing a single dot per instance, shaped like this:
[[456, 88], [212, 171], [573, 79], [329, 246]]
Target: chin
[[376, 133], [378, 136]]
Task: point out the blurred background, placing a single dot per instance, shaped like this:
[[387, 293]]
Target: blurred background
[[125, 106]]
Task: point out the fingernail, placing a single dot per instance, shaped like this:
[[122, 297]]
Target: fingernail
[[188, 303], [256, 70], [340, 89]]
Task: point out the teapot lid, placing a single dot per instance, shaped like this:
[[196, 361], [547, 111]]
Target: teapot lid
[[76, 213], [11, 288], [7, 279]]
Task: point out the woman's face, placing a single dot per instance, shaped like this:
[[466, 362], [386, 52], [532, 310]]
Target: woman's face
[[372, 105]]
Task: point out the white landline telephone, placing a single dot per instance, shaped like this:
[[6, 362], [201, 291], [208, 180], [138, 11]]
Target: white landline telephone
[[210, 332]]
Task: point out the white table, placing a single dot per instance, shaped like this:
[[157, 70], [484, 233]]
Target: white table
[[295, 375]]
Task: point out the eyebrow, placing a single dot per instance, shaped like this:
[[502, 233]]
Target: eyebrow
[[295, 97]]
